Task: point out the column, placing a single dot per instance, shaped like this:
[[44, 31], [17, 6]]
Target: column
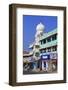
[[43, 68]]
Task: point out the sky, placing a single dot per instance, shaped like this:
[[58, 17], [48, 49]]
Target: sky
[[29, 27]]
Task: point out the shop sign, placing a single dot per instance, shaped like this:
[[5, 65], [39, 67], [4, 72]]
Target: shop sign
[[45, 57]]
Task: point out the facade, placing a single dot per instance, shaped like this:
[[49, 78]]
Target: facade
[[48, 50], [43, 50], [26, 60]]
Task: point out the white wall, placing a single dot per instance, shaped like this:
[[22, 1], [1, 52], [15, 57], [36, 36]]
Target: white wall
[[4, 47]]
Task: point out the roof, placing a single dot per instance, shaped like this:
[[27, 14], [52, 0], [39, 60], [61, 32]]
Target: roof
[[25, 52]]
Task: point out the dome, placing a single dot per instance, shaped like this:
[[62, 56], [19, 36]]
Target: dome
[[40, 26]]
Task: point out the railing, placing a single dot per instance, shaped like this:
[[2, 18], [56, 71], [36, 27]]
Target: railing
[[48, 44]]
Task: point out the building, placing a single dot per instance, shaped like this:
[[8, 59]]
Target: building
[[44, 50], [27, 61], [48, 50]]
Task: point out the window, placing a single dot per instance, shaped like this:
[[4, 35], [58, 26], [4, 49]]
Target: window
[[43, 50], [54, 37], [49, 49], [37, 54], [48, 39], [54, 48], [43, 41], [37, 46]]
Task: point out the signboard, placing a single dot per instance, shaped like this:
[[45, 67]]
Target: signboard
[[45, 57], [49, 56], [53, 56]]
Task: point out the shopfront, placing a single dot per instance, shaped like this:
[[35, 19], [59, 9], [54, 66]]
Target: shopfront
[[49, 62]]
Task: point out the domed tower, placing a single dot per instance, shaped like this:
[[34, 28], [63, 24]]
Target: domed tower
[[36, 48], [36, 45], [40, 28], [39, 31]]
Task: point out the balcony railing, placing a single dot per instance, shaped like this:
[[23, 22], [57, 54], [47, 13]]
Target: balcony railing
[[48, 44]]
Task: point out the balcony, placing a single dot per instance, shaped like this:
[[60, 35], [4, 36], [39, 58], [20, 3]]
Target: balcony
[[48, 44]]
